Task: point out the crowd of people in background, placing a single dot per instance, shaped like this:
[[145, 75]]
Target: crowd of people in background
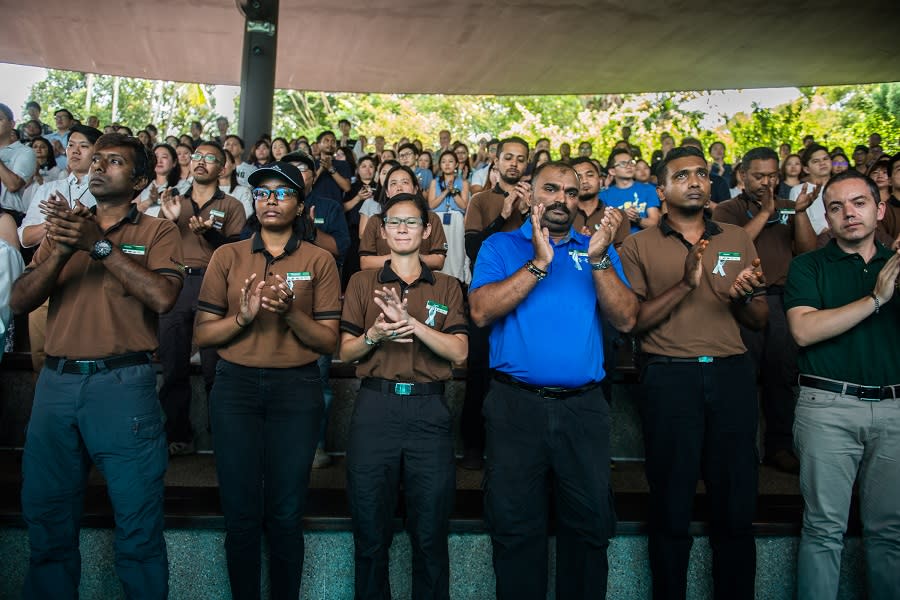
[[290, 251]]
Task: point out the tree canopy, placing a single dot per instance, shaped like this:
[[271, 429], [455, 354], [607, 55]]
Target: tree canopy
[[836, 115]]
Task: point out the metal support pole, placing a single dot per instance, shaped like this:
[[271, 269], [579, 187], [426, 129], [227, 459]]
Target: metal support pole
[[258, 68]]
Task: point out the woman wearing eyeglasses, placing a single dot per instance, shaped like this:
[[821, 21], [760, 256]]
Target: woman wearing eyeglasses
[[207, 218], [271, 306], [404, 324]]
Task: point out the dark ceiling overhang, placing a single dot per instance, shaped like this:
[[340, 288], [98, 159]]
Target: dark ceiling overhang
[[472, 46]]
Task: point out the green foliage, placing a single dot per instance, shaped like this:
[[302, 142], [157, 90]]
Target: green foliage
[[169, 105], [837, 116]]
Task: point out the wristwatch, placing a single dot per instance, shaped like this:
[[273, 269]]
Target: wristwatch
[[604, 263], [369, 341], [332, 171], [102, 249]]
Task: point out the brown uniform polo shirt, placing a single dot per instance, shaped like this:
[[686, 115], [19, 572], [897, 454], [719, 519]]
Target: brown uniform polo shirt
[[372, 244], [702, 324], [91, 315], [774, 244], [268, 342], [890, 225], [228, 220], [434, 299], [485, 207], [593, 223]]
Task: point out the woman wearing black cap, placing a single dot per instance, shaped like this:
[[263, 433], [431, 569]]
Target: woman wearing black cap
[[271, 305]]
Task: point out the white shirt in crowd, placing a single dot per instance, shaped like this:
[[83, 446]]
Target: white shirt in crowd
[[19, 159], [69, 188], [153, 210], [816, 211], [243, 171], [242, 194]]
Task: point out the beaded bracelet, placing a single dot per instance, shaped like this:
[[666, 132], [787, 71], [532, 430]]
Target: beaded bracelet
[[538, 273]]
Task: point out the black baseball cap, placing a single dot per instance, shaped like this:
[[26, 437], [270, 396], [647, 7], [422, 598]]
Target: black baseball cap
[[280, 169]]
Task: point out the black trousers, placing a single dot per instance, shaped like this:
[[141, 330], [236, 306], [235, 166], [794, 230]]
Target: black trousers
[[541, 448], [774, 352], [699, 420], [401, 439], [176, 329], [478, 381]]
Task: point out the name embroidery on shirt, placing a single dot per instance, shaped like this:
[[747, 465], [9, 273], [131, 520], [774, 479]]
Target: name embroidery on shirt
[[725, 257], [293, 276]]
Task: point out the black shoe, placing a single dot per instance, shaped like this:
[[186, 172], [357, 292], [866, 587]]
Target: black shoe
[[785, 461], [472, 460]]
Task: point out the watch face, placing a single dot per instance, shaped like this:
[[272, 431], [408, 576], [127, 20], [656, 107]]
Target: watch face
[[102, 249]]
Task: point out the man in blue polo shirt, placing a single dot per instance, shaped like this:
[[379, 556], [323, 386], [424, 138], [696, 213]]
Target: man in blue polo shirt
[[638, 200], [545, 289]]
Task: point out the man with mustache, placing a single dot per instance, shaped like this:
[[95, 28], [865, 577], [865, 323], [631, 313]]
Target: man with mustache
[[500, 208], [206, 219], [544, 290]]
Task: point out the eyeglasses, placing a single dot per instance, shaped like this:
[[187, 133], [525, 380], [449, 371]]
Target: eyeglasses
[[625, 163], [410, 222], [261, 194], [840, 164], [406, 154], [209, 158]]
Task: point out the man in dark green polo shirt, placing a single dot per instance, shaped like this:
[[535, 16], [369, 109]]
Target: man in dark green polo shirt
[[841, 312]]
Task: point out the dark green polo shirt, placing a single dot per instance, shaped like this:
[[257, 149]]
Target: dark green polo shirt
[[868, 354]]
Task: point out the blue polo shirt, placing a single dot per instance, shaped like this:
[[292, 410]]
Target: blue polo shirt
[[640, 195], [554, 337]]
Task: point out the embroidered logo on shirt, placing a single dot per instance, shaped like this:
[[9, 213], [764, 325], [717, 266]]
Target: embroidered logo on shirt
[[293, 276], [433, 309], [578, 257], [725, 257]]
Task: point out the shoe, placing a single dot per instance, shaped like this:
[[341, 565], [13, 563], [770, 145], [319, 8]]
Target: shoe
[[472, 460], [322, 459], [182, 449], [785, 461]]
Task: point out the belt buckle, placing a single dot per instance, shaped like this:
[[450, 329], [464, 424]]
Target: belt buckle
[[403, 389], [705, 359], [86, 367]]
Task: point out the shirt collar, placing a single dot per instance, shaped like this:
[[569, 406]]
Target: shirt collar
[[133, 217], [387, 275], [710, 228], [219, 194], [834, 253], [257, 245], [72, 180], [525, 231]]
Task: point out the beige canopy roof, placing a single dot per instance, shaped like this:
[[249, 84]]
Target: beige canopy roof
[[472, 46]]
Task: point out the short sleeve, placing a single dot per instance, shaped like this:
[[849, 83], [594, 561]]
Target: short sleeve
[[456, 319], [801, 288], [368, 243], [489, 267], [632, 267], [235, 219], [327, 295], [165, 251], [353, 313], [214, 289], [437, 241], [474, 218]]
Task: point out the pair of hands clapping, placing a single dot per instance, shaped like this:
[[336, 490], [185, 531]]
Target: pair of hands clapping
[[252, 299], [170, 204], [600, 241], [393, 324], [744, 285]]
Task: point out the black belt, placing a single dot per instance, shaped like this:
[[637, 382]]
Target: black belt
[[872, 393], [194, 270], [399, 388], [89, 367], [545, 391]]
